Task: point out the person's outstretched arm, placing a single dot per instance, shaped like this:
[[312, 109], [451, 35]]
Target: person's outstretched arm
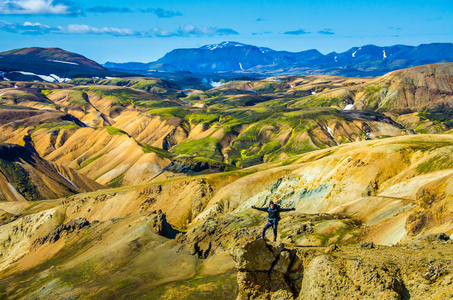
[[259, 208], [287, 209]]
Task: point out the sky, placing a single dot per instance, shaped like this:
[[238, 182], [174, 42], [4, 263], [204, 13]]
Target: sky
[[145, 30]]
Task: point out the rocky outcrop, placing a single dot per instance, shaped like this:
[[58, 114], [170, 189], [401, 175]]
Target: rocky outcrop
[[267, 271], [367, 245], [217, 234], [436, 237], [272, 271], [62, 230], [190, 166], [326, 277], [160, 225]]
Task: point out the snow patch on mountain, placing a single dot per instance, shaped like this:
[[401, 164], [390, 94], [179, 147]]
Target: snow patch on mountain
[[383, 54], [59, 79], [355, 52], [64, 62], [266, 50], [329, 131], [43, 77], [48, 78], [67, 179], [87, 124], [222, 45], [212, 47], [17, 195], [2, 74]]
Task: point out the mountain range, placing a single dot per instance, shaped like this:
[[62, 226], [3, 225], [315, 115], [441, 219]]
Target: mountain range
[[227, 60], [369, 60]]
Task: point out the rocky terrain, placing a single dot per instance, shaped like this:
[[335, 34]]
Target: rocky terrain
[[139, 188], [273, 271], [96, 244]]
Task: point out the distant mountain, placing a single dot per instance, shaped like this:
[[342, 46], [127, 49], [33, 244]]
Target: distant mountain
[[53, 54], [227, 56], [48, 64], [369, 60]]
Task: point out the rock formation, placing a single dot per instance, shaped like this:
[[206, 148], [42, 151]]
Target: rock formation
[[272, 271]]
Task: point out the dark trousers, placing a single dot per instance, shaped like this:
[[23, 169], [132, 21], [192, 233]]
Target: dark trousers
[[270, 223]]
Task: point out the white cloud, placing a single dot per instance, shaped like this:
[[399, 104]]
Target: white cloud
[[26, 28], [37, 7], [85, 29], [38, 28], [192, 30], [160, 32]]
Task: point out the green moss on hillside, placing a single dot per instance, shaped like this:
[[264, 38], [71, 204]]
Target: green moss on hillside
[[222, 286], [170, 112], [115, 131], [439, 162], [89, 161], [159, 151], [206, 147], [20, 179], [116, 182], [56, 126]]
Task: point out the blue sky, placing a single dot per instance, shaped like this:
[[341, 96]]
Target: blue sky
[[138, 30]]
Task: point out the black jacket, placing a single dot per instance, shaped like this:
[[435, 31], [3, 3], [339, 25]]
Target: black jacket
[[273, 214]]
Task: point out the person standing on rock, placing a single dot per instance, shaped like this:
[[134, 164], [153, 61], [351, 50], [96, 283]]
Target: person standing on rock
[[273, 217]]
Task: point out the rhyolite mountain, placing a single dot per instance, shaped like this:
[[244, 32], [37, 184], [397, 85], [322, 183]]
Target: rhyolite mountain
[[25, 176], [369, 60], [167, 177], [48, 64]]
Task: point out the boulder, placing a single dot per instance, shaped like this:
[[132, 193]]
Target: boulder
[[437, 237], [271, 271], [253, 256], [306, 227], [367, 245], [284, 261], [264, 270], [282, 295], [332, 248], [326, 277]]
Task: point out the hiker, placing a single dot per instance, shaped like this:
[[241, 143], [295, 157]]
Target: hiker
[[273, 217]]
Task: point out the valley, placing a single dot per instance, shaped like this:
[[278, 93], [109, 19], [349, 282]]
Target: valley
[[140, 187]]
